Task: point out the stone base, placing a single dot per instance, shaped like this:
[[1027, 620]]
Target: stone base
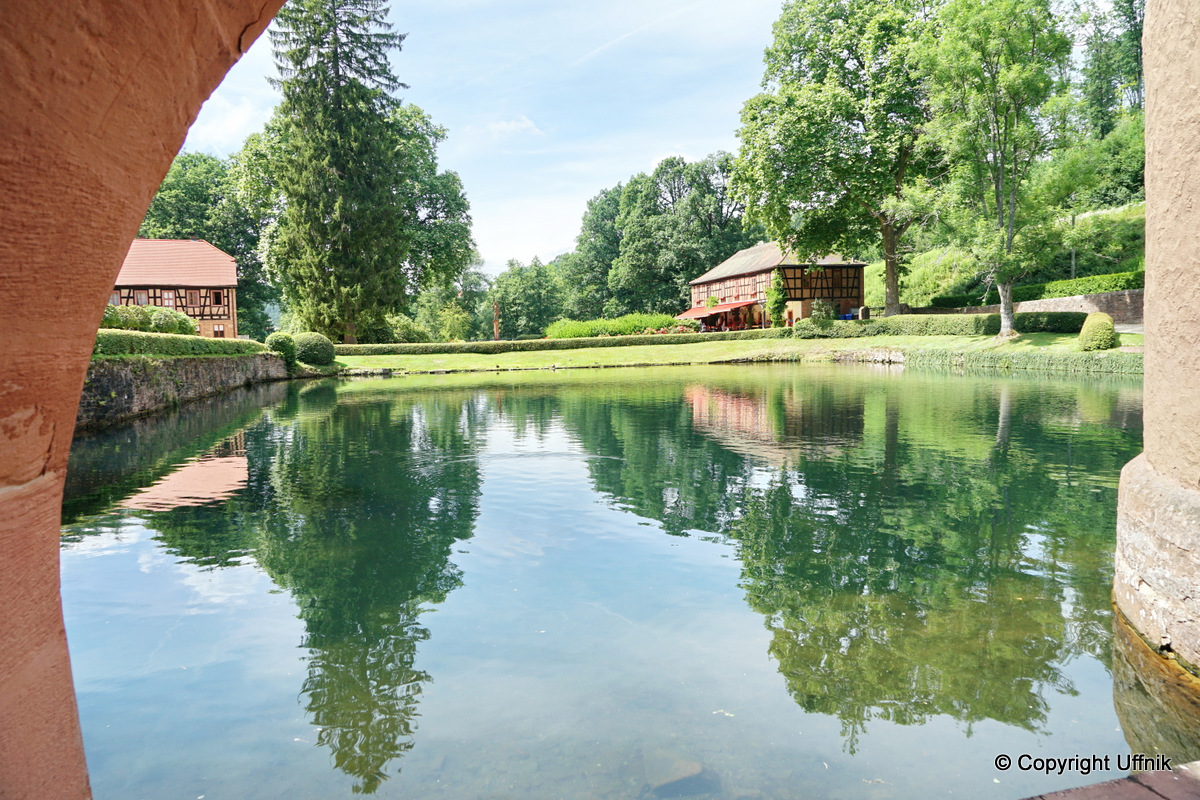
[[1157, 581]]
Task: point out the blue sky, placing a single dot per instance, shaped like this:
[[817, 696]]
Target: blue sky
[[546, 102]]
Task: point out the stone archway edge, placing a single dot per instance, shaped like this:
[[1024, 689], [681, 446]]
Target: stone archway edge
[[98, 97]]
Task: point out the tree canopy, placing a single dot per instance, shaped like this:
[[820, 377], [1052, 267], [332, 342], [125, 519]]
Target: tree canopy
[[832, 147], [367, 217]]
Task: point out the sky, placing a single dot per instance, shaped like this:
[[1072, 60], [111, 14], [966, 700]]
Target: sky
[[546, 102]]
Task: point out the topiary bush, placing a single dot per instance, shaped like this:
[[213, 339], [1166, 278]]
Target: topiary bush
[[1097, 332], [285, 345], [313, 348]]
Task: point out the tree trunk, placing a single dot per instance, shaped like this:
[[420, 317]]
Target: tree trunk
[[1006, 310], [348, 337], [891, 271]]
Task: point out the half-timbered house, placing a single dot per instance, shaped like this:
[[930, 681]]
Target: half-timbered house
[[739, 287], [188, 275]]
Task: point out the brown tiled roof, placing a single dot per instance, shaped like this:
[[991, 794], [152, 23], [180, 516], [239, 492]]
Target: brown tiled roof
[[176, 262], [760, 258]]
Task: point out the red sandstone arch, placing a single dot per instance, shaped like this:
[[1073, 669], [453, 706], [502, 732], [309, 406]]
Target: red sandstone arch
[[98, 96]]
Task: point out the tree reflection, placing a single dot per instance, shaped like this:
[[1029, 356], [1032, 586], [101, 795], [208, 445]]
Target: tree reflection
[[363, 504], [918, 547], [352, 504]]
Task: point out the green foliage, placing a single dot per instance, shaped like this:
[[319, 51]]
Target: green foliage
[[993, 68], [584, 272], [438, 307], [394, 328], [822, 309], [1097, 332], [111, 317], [1092, 363], [168, 320], [711, 301], [148, 318], [314, 348], [629, 324], [132, 343], [1094, 284], [776, 299], [368, 218], [674, 225], [133, 318], [937, 325], [285, 345], [530, 298], [405, 330], [836, 134], [199, 199], [515, 346]]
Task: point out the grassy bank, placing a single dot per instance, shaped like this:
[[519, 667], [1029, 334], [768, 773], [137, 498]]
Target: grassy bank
[[1037, 350]]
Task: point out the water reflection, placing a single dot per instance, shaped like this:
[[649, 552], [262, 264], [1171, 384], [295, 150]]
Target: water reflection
[[916, 546], [907, 563]]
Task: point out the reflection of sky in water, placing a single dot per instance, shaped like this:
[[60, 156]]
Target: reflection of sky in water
[[581, 639]]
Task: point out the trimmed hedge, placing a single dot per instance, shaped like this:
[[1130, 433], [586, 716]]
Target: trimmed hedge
[[1093, 284], [437, 348], [628, 325], [938, 325], [1098, 332], [314, 348], [144, 343], [148, 318]]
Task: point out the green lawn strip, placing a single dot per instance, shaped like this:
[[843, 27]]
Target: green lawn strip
[[815, 350]]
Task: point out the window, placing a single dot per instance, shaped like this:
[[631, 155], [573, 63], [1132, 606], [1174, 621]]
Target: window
[[218, 297], [193, 297], [141, 298], [168, 298], [115, 298], [218, 331]]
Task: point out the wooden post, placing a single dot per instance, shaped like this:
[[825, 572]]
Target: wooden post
[[496, 320]]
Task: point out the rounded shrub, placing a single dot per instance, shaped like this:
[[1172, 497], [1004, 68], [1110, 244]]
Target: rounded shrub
[[185, 325], [133, 318], [285, 345], [111, 318], [1098, 332], [313, 348]]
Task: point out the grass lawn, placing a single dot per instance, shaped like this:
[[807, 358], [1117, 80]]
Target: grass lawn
[[812, 350]]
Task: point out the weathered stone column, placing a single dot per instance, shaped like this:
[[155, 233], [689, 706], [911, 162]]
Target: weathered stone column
[[1158, 526], [98, 96]]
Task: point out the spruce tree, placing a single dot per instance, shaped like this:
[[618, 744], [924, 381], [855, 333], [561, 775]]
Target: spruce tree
[[343, 237]]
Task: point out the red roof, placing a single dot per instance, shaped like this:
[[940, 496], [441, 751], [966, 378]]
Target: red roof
[[176, 262], [764, 257], [699, 312]]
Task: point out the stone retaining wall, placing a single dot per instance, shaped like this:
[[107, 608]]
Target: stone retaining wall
[[1125, 307], [118, 389]]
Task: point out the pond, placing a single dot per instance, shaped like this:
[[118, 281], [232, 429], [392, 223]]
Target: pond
[[770, 581]]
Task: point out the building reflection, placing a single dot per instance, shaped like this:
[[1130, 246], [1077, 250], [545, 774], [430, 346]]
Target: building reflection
[[212, 478]]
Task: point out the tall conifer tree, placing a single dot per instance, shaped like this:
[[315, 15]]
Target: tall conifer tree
[[343, 238]]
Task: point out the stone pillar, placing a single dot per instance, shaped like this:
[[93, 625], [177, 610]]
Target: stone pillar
[[98, 96], [1157, 583]]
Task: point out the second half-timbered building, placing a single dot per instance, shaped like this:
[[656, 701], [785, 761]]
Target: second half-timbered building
[[738, 286], [188, 275]]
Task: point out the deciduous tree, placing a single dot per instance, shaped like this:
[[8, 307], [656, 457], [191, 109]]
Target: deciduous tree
[[831, 148]]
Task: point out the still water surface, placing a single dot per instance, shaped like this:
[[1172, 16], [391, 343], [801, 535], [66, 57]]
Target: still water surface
[[736, 582]]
